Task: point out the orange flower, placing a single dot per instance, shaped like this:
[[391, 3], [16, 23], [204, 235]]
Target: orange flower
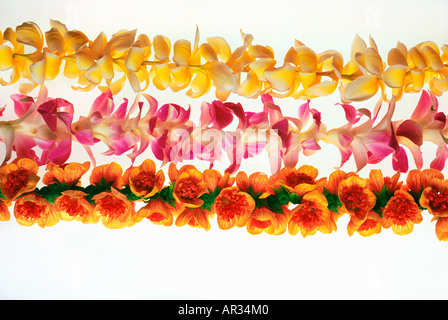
[[194, 217], [189, 186], [31, 209], [144, 181], [69, 173], [442, 228], [418, 180], [158, 212], [370, 226], [214, 179], [376, 181], [112, 174], [257, 180], [264, 220], [356, 199], [292, 177], [401, 213], [18, 177], [233, 207], [114, 209], [72, 205], [332, 184], [435, 198], [310, 216], [4, 211]]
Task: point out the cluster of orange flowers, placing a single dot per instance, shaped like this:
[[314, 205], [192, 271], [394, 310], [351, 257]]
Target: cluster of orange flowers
[[249, 71], [292, 200]]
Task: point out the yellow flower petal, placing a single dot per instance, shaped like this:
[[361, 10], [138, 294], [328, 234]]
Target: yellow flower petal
[[84, 60], [394, 76], [307, 59], [162, 48], [37, 71], [281, 78], [222, 76], [251, 86], [323, 88], [55, 41], [208, 52], [181, 52], [120, 42], [29, 33], [361, 88], [6, 60], [433, 58], [395, 56], [417, 58], [135, 58], [106, 66], [221, 47], [93, 75], [74, 40]]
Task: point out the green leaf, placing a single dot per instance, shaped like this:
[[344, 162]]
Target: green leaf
[[382, 198], [333, 200]]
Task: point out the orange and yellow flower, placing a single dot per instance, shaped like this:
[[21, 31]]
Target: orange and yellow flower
[[69, 173], [257, 180], [370, 226], [377, 181], [401, 213], [143, 180], [114, 209], [158, 212], [435, 198], [195, 217], [72, 205], [263, 219], [31, 209], [292, 177], [356, 199], [189, 186], [112, 174], [310, 216], [417, 180], [18, 177], [233, 208]]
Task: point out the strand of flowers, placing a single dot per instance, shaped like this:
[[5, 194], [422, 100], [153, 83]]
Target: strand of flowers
[[250, 70], [47, 124], [258, 202]]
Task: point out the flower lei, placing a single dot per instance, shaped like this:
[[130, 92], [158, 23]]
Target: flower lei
[[249, 71], [258, 202], [291, 199], [47, 124]]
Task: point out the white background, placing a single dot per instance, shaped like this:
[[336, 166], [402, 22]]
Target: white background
[[75, 261]]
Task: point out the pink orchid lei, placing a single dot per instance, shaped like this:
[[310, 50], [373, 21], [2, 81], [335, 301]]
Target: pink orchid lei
[[47, 124]]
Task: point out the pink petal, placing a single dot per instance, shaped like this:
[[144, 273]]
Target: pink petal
[[400, 160], [85, 137], [411, 130], [21, 103], [103, 104], [62, 152], [440, 159]]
